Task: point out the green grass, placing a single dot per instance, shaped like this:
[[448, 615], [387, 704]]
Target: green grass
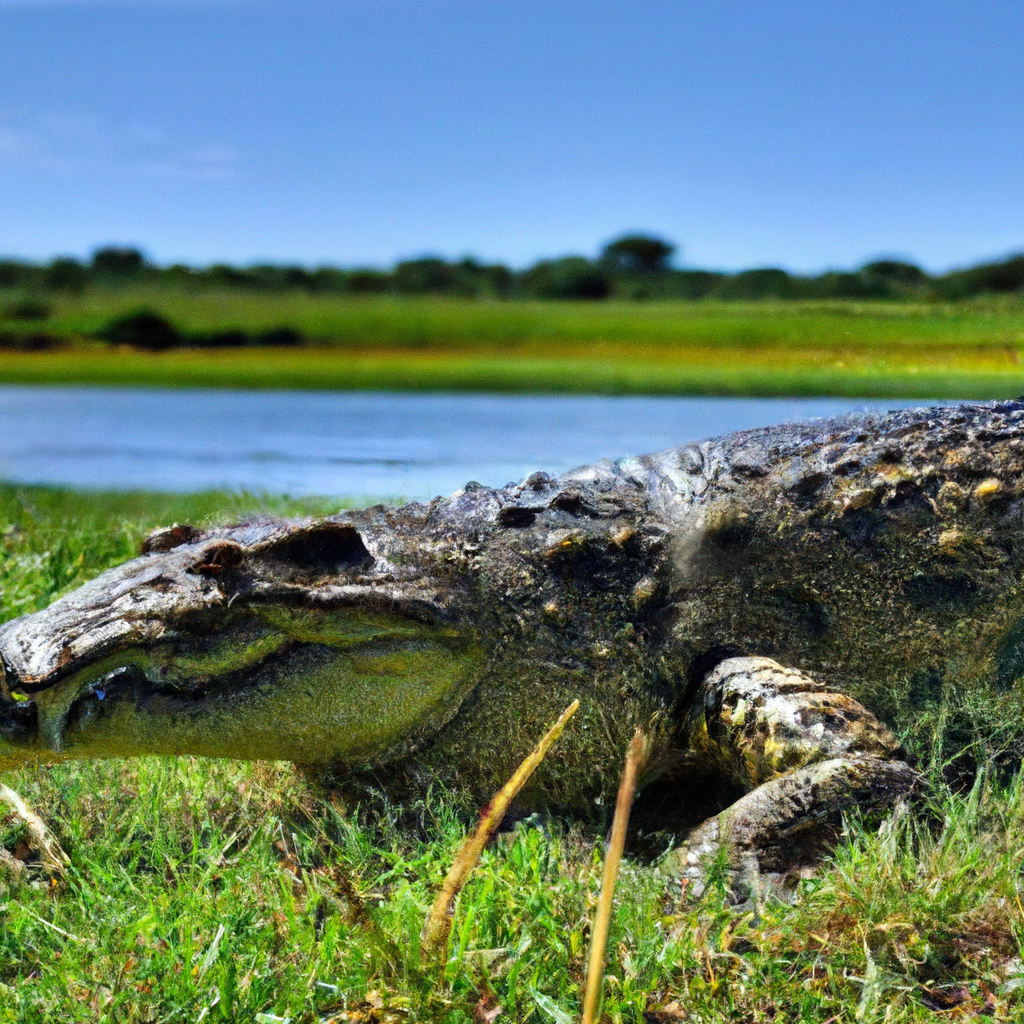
[[936, 350], [205, 890]]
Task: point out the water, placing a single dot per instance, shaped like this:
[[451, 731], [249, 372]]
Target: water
[[353, 444]]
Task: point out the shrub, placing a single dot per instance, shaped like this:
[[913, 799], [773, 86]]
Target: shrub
[[328, 279], [14, 274], [222, 275], [834, 285], [572, 277], [27, 309], [423, 277], [221, 339], [142, 329], [368, 282], [65, 275], [1007, 276], [35, 342], [279, 336], [766, 283]]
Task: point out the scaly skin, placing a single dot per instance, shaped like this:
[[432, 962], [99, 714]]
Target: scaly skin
[[881, 552]]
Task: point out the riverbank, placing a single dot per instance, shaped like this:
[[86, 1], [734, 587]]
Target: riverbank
[[890, 350], [898, 372]]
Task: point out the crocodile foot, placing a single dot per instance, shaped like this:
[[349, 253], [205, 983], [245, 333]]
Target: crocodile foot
[[805, 756]]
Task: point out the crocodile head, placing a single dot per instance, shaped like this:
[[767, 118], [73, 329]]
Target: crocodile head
[[298, 641], [426, 640]]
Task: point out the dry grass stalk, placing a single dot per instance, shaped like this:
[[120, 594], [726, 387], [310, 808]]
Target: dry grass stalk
[[50, 853], [603, 915], [439, 923]]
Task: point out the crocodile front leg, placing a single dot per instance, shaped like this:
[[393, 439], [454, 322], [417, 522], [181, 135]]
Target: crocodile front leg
[[804, 755]]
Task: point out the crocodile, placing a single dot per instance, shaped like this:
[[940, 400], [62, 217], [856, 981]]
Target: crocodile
[[743, 600]]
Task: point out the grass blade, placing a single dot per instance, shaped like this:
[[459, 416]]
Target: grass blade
[[439, 923], [603, 915]]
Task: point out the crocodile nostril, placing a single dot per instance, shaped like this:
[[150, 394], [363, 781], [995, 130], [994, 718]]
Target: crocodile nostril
[[217, 558]]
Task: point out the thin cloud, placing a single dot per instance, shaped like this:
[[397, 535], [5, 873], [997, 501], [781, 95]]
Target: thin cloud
[[75, 144], [121, 3]]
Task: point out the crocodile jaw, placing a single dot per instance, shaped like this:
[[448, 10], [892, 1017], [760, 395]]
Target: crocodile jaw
[[223, 648], [309, 703]]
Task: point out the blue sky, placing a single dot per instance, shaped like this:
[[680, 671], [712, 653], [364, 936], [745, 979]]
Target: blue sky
[[794, 133]]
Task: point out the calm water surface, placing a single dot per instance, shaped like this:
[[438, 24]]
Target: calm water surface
[[354, 444]]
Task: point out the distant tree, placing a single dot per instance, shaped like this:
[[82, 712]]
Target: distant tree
[[498, 279], [65, 274], [328, 279], [115, 261], [15, 274], [637, 254], [223, 275], [273, 277], [763, 283], [424, 276], [296, 277], [571, 277], [181, 273], [1007, 276], [367, 281], [692, 284], [836, 285], [896, 271]]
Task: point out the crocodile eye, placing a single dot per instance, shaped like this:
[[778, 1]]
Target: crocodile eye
[[328, 547]]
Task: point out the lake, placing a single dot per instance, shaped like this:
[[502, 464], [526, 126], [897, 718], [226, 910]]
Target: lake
[[353, 444]]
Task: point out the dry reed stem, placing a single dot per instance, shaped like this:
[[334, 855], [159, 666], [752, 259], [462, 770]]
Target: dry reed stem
[[603, 914], [439, 923], [50, 852]]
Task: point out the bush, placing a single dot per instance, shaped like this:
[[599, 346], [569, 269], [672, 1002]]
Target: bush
[[14, 274], [572, 277], [14, 341], [27, 309], [1007, 276], [236, 338], [834, 285], [273, 278], [368, 282], [65, 275], [328, 280], [692, 284], [142, 329], [221, 275], [424, 277], [279, 336], [221, 339], [767, 283]]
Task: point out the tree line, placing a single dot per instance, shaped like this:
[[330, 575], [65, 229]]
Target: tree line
[[634, 267]]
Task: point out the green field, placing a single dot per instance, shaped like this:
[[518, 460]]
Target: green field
[[883, 349], [212, 891]]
